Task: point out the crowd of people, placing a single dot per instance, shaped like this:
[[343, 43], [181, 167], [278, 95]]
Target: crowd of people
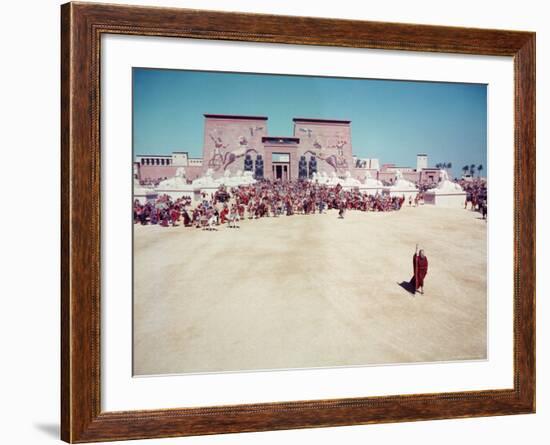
[[151, 182], [262, 199], [476, 196]]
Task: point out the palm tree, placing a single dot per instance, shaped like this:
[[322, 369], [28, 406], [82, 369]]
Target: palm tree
[[472, 169], [465, 169], [479, 169], [441, 165]]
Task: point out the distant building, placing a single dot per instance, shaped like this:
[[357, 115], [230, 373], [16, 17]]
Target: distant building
[[154, 167], [368, 163], [429, 176], [388, 172], [421, 161], [236, 143], [154, 159], [422, 174], [180, 158]]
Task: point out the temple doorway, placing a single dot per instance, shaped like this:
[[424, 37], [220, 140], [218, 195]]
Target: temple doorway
[[280, 165], [281, 171]]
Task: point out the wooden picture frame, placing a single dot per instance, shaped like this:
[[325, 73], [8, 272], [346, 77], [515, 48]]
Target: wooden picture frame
[[82, 25]]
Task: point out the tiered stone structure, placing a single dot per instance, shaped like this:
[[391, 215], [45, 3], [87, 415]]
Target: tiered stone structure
[[328, 141], [235, 143], [228, 139]]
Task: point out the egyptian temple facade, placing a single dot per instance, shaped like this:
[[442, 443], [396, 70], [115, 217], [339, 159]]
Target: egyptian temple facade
[[234, 143]]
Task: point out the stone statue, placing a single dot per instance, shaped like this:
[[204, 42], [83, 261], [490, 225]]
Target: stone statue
[[180, 172], [371, 185], [177, 182], [446, 185], [349, 181], [401, 183], [259, 167], [302, 168], [206, 180], [239, 178], [248, 163], [248, 178]]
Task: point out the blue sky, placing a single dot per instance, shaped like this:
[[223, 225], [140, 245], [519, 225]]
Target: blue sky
[[391, 120]]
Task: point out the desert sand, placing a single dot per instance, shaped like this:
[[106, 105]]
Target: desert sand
[[310, 291]]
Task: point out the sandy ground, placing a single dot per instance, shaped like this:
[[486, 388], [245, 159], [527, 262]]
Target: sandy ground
[[309, 291]]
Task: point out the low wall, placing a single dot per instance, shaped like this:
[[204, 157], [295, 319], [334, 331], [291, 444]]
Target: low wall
[[193, 172], [407, 193], [361, 173], [154, 172], [193, 192], [389, 176], [450, 200]]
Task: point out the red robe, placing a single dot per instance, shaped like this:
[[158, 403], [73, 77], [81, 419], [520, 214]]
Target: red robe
[[420, 269], [223, 215], [186, 219], [175, 215]]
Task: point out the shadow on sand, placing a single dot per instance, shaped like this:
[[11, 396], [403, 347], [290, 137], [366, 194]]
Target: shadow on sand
[[408, 286]]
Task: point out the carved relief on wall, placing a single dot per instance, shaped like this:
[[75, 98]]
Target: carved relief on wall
[[254, 130], [226, 153], [307, 131], [330, 149]]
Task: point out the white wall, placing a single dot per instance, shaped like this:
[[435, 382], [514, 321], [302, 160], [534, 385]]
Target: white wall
[[180, 159], [30, 220], [421, 162]]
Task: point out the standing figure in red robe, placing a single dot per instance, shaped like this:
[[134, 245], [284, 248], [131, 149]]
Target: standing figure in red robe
[[223, 214], [420, 268]]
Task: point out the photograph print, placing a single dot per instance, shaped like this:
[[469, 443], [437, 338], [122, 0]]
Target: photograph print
[[294, 222]]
